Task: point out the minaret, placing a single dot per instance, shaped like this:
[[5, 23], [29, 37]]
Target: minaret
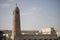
[[16, 31]]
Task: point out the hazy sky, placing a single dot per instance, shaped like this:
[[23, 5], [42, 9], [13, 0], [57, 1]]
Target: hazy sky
[[35, 14]]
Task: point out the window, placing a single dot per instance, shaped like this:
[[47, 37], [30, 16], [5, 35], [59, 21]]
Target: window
[[45, 39], [29, 39], [35, 39], [40, 39], [24, 39], [50, 39], [55, 39]]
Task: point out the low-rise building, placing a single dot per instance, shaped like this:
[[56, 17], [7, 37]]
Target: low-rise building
[[33, 35]]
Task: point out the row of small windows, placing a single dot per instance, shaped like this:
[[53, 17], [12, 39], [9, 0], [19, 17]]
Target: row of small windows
[[40, 39]]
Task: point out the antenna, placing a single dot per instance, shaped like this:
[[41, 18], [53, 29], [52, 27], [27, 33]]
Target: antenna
[[16, 4]]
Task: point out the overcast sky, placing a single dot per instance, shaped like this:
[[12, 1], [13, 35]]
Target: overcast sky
[[34, 14]]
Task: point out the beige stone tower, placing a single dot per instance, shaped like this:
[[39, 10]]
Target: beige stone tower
[[16, 31]]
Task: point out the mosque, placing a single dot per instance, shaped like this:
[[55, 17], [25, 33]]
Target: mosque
[[17, 34]]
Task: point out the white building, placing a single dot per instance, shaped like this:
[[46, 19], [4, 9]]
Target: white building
[[58, 32], [50, 31]]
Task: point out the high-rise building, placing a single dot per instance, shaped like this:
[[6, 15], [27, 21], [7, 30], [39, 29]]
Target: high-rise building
[[16, 31]]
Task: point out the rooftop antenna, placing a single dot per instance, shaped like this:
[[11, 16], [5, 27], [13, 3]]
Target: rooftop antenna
[[16, 4]]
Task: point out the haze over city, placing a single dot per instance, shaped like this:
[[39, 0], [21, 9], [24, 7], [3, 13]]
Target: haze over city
[[34, 14]]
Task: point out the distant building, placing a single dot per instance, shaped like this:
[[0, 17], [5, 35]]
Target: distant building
[[30, 35], [58, 32], [1, 35], [49, 31]]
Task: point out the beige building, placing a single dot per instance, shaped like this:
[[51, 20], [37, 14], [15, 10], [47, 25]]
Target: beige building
[[49, 30], [58, 32], [31, 35]]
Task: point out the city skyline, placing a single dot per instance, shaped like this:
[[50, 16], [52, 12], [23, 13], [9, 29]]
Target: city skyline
[[34, 14]]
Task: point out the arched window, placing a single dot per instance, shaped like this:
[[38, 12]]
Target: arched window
[[29, 39], [50, 39], [40, 39], [45, 39], [24, 39], [35, 39], [55, 39]]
